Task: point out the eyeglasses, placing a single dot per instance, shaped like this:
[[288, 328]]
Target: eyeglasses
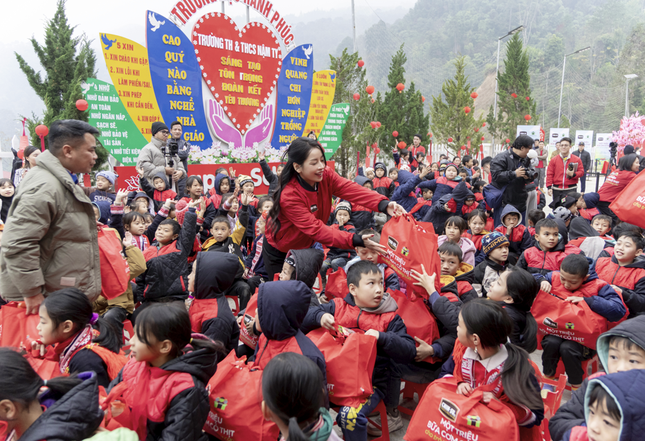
[[165, 132]]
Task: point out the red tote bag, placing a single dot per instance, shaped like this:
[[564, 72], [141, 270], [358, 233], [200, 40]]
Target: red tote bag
[[115, 272], [16, 328], [235, 397], [249, 315], [576, 322], [444, 415], [336, 284], [410, 244], [629, 205], [350, 363], [419, 322]]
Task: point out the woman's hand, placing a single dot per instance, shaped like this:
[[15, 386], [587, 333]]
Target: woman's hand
[[424, 280], [120, 196], [371, 245], [395, 210]]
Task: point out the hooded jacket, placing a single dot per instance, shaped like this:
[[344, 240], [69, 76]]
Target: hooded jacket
[[404, 195], [159, 197], [215, 192], [571, 413], [152, 160], [50, 239], [75, 416], [173, 396], [520, 237], [502, 169], [393, 342], [209, 312], [384, 185], [440, 187], [535, 260], [629, 278], [465, 277], [361, 217], [282, 308]]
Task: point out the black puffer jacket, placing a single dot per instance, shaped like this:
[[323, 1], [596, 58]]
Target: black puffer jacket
[[361, 218], [75, 416], [271, 177], [502, 169], [308, 264]]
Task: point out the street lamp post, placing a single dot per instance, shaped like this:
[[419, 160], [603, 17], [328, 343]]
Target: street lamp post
[[499, 41], [564, 65], [627, 78]]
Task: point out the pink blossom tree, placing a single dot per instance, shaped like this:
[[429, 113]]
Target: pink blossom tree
[[632, 131]]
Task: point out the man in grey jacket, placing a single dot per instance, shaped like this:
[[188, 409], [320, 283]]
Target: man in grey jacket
[[50, 239], [155, 158]]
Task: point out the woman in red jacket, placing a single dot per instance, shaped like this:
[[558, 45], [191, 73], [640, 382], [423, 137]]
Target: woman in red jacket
[[628, 166], [302, 204]]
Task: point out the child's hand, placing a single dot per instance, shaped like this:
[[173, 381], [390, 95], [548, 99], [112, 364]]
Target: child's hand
[[261, 155], [373, 333], [194, 204], [574, 299], [617, 289], [322, 298], [424, 279], [37, 346], [231, 173], [246, 199], [424, 350], [545, 286], [249, 325], [327, 321], [169, 203], [246, 273], [140, 171], [120, 196], [232, 198], [127, 239], [487, 397], [425, 172], [464, 389]]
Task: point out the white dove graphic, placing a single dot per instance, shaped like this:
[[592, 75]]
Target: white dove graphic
[[85, 87], [308, 50], [156, 24]]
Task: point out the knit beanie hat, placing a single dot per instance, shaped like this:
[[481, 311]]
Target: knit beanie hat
[[591, 199], [158, 126], [344, 205], [244, 179], [494, 240], [110, 176], [381, 166], [181, 207]]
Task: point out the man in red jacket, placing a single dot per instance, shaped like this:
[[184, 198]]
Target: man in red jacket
[[563, 173]]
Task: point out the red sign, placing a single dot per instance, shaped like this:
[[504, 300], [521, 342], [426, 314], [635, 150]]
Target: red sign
[[240, 65], [129, 178]]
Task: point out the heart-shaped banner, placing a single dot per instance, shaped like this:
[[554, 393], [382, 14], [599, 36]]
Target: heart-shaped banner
[[240, 66]]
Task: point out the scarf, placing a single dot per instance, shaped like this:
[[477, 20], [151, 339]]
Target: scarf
[[64, 350], [321, 429]]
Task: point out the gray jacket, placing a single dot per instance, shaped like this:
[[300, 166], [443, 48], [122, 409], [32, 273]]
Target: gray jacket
[[50, 238], [152, 160]]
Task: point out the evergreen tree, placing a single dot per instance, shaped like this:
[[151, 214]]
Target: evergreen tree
[[515, 79], [67, 61], [358, 133], [449, 119], [401, 111]]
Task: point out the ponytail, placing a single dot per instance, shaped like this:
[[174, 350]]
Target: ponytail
[[109, 337], [523, 288], [295, 432], [529, 337], [517, 378]]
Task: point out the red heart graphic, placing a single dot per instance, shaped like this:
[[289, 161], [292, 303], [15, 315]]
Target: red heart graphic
[[240, 66]]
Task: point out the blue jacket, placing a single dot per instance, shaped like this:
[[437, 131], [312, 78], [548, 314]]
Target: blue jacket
[[440, 187], [407, 183]]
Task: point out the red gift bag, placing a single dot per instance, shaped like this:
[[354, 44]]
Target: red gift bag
[[249, 315], [235, 397], [419, 322], [117, 412], [350, 363], [16, 328], [410, 244], [629, 205], [336, 284], [46, 369], [444, 415], [576, 322], [115, 272]]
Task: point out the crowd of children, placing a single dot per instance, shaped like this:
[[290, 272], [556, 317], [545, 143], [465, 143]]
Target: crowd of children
[[198, 295]]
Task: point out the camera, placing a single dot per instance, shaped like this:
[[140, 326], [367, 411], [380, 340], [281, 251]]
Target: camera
[[170, 150], [531, 173]]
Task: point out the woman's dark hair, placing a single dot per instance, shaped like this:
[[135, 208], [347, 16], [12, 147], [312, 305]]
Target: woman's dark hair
[[176, 228], [522, 287], [170, 321], [73, 305], [297, 153], [523, 141], [28, 151], [493, 325], [626, 162], [191, 180], [478, 214], [293, 389], [19, 383], [599, 395], [458, 222], [130, 217], [6, 181]]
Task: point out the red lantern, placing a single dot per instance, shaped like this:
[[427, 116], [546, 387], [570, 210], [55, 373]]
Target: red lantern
[[81, 105], [643, 121], [527, 117], [373, 124], [378, 124], [528, 98], [430, 134], [369, 89], [401, 145], [483, 138], [508, 141], [357, 96], [474, 95], [395, 134], [467, 137], [483, 124], [361, 63], [467, 110], [373, 101], [400, 87], [42, 131], [476, 130], [514, 95], [449, 139], [423, 99]]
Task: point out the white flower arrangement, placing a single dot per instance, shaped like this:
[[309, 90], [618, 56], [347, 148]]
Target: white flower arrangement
[[218, 153]]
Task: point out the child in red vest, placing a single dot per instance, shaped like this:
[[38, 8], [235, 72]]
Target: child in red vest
[[575, 282], [382, 184], [476, 232], [518, 235], [165, 380], [453, 266], [66, 323], [369, 309], [159, 191], [549, 251]]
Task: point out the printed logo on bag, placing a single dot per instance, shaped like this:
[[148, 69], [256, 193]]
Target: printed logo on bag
[[392, 243], [314, 208], [641, 199], [330, 389], [220, 403], [449, 409], [473, 420], [550, 323], [405, 251], [569, 325]]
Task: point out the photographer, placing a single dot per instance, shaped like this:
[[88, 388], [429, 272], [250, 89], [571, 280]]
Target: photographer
[[563, 173], [511, 171], [160, 157]]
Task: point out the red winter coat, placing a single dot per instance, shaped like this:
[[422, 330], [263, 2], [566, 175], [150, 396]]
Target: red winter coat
[[629, 278], [535, 260], [556, 176], [615, 184], [589, 213], [304, 212]]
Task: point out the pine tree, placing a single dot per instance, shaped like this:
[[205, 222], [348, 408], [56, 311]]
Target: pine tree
[[449, 119], [67, 62], [401, 111], [513, 91]]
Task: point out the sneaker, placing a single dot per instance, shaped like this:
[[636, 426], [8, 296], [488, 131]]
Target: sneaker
[[394, 421], [372, 430]]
